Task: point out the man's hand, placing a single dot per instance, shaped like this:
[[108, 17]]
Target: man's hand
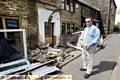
[[88, 46]]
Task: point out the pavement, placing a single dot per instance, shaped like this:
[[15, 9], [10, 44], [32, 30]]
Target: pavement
[[105, 62]]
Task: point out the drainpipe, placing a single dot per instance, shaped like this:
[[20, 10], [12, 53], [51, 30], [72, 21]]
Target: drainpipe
[[109, 17]]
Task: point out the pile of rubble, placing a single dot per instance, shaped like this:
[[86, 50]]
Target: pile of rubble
[[46, 53], [43, 60]]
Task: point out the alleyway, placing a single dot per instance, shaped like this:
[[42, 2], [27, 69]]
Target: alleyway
[[104, 62]]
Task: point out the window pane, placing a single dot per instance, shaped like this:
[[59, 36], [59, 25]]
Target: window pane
[[68, 5], [68, 28], [47, 30], [13, 34], [68, 2], [72, 27], [63, 6], [12, 24], [63, 29], [72, 7]]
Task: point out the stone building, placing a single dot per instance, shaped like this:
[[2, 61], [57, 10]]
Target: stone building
[[51, 20], [66, 20], [19, 14], [107, 9]]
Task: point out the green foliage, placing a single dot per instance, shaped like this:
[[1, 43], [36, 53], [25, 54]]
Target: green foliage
[[76, 28], [118, 25]]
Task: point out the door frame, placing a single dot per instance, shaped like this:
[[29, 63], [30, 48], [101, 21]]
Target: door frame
[[51, 32]]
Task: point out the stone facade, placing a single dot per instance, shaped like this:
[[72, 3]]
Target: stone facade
[[67, 16], [105, 8], [24, 11]]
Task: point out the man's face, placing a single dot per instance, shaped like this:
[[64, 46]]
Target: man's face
[[88, 22]]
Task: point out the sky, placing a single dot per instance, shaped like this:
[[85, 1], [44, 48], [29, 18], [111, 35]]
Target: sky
[[118, 5]]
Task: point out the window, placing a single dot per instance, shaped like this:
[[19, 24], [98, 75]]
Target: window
[[12, 24], [72, 27], [92, 13], [67, 28], [72, 7], [68, 5], [9, 24], [63, 4], [63, 29], [48, 29]]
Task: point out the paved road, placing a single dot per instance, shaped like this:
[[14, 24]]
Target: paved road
[[104, 62]]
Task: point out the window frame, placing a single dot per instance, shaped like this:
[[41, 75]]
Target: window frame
[[68, 5], [4, 18], [73, 27], [63, 2], [67, 28], [63, 32], [72, 6], [50, 29]]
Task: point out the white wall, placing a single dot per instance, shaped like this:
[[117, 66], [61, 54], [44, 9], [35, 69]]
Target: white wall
[[43, 17]]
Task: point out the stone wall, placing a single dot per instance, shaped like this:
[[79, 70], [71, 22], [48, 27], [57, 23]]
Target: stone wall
[[65, 16], [25, 12], [101, 5], [33, 26], [104, 6], [69, 17], [75, 17]]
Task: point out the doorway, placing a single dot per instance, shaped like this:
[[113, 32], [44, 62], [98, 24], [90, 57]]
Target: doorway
[[49, 33]]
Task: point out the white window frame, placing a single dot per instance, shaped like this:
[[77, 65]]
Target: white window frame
[[24, 46]]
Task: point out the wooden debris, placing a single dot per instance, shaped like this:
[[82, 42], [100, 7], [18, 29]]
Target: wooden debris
[[35, 52]]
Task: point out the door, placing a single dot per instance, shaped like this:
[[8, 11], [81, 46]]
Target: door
[[49, 33]]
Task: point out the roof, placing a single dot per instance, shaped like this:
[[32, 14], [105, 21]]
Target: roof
[[87, 5], [114, 3]]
